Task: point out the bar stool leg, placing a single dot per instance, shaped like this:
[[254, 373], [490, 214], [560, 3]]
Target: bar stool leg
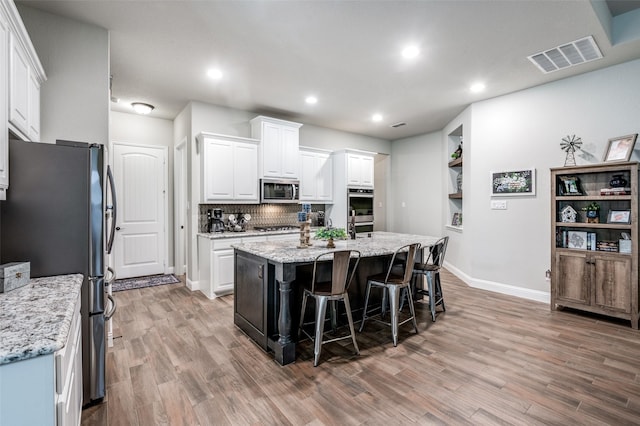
[[432, 296], [321, 312], [413, 312], [366, 305], [394, 298], [304, 307], [347, 307]]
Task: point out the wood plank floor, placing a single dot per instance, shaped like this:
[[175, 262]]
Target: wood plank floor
[[490, 359]]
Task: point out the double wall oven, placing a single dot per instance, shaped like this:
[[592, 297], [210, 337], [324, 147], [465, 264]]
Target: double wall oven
[[360, 204]]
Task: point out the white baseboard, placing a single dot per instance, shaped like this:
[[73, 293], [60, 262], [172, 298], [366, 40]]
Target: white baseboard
[[192, 285], [511, 290]]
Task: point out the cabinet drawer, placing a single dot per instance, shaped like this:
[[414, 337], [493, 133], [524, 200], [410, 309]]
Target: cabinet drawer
[[225, 243]]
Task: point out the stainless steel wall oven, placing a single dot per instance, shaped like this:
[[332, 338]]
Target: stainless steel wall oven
[[360, 203]]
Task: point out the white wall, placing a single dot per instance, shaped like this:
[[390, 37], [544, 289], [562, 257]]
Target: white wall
[[144, 130], [75, 57], [416, 176]]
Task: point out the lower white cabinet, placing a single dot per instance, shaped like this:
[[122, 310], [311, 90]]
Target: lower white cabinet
[[216, 261], [47, 389]]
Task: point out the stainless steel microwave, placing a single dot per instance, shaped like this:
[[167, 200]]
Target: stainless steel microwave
[[279, 190]]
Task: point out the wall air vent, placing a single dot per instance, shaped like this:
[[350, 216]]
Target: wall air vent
[[400, 124], [568, 55]]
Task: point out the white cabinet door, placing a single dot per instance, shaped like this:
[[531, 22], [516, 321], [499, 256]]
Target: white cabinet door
[[18, 86], [290, 151], [271, 150], [222, 270], [308, 176], [245, 175], [4, 134], [34, 107], [217, 170], [360, 170], [366, 171], [324, 164]]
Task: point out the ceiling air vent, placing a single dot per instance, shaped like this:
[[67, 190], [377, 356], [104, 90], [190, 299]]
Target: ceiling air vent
[[565, 56], [400, 124]]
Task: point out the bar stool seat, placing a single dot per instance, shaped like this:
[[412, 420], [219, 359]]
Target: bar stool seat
[[397, 278], [330, 291], [430, 269]]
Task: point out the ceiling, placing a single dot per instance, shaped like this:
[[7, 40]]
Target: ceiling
[[347, 53]]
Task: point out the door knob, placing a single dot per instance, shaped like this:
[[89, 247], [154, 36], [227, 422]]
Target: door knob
[[117, 228]]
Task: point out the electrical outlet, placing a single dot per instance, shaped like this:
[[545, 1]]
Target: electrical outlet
[[498, 204]]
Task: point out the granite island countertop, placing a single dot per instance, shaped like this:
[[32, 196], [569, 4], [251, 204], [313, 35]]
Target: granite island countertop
[[35, 319], [251, 233], [379, 244]]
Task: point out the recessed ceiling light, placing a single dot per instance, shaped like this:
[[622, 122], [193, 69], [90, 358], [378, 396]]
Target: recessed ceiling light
[[410, 52], [142, 108], [215, 74], [311, 100], [376, 118], [477, 87]]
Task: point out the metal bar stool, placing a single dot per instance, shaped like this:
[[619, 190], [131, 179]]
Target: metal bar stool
[[397, 277], [334, 290], [431, 270]]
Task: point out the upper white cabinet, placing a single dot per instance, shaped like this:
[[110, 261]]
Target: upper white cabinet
[[279, 139], [229, 169], [20, 83], [316, 175], [359, 169]]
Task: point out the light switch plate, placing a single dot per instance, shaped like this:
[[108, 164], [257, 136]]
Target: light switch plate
[[498, 204]]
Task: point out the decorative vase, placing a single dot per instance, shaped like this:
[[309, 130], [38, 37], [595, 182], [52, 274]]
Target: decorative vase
[[618, 181], [593, 216], [330, 243]]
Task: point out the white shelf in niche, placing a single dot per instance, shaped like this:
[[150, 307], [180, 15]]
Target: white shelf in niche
[[454, 228]]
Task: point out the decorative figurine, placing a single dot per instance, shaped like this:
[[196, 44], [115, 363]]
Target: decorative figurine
[[569, 144], [568, 214]]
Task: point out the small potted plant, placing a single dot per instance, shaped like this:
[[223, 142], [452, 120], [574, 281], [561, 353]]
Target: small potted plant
[[331, 234], [592, 212]]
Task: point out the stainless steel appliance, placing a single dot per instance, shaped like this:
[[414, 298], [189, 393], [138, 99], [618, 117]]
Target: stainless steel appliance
[[360, 212], [215, 223], [279, 190], [54, 217]]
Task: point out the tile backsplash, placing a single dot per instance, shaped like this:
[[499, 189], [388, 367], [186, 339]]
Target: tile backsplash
[[261, 214]]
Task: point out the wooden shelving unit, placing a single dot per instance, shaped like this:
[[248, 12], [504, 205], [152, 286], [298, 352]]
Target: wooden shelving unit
[[601, 282]]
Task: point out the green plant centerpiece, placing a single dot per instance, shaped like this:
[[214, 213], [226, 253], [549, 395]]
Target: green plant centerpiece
[[331, 234], [592, 212]]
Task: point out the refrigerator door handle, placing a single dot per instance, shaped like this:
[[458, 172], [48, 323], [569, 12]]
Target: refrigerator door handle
[[108, 280], [112, 311], [114, 210]]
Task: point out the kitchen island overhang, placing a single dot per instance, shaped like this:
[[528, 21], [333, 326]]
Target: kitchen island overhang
[[265, 287]]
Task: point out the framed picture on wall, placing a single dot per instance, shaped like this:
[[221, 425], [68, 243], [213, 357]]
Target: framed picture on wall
[[513, 183], [620, 148]]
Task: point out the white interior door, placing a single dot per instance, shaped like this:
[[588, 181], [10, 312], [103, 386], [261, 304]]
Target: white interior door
[[140, 174]]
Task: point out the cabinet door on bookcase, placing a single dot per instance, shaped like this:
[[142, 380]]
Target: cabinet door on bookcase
[[572, 278], [611, 286]]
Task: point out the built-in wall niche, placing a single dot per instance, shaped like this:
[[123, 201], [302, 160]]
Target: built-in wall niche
[[455, 158], [261, 214]]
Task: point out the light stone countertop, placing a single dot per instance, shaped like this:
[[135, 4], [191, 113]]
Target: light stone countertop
[[35, 319], [379, 244], [249, 233]]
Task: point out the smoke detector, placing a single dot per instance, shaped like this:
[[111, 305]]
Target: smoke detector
[[567, 55]]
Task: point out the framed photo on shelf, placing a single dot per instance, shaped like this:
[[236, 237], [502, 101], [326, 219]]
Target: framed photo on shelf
[[620, 148], [577, 240], [513, 183], [569, 185], [619, 216], [457, 219]]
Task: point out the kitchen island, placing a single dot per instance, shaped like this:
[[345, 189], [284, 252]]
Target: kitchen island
[[266, 292]]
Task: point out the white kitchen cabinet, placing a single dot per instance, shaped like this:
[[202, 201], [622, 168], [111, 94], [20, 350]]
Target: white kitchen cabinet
[[229, 169], [360, 170], [316, 175], [279, 140], [216, 263], [47, 389], [20, 80]]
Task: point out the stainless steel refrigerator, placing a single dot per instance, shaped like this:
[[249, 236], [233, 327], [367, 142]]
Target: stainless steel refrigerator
[[54, 217]]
